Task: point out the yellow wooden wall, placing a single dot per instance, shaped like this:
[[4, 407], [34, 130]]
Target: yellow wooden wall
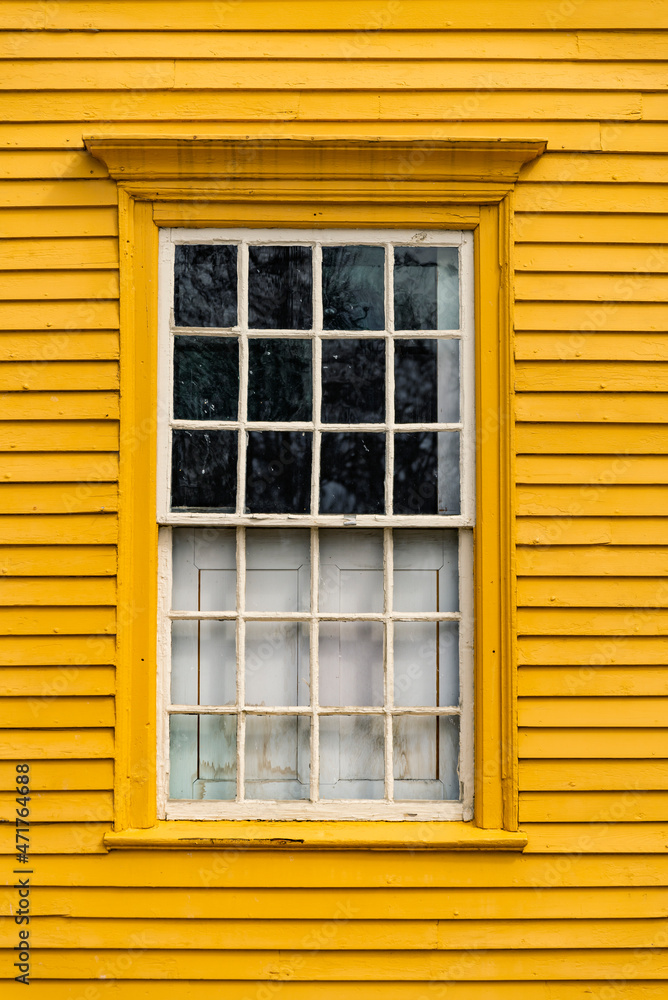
[[581, 913]]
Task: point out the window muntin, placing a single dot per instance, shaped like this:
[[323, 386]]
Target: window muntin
[[295, 693]]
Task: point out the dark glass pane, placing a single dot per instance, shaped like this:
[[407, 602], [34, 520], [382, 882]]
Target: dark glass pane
[[206, 378], [426, 288], [278, 472], [279, 379], [353, 381], [426, 473], [204, 469], [415, 381], [205, 285], [352, 474], [280, 295], [353, 283]]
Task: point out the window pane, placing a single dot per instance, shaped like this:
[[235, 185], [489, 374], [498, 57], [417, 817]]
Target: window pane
[[426, 757], [351, 570], [203, 663], [426, 377], [278, 570], [352, 762], [182, 756], [353, 381], [351, 663], [277, 757], [205, 285], [426, 288], [204, 572], [352, 474], [279, 379], [353, 288], [426, 570], [280, 295], [426, 664], [206, 378], [217, 757], [184, 663], [277, 663], [426, 473], [278, 472], [204, 469]]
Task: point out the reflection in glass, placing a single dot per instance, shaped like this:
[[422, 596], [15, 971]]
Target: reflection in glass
[[353, 381], [280, 288], [426, 663], [352, 762], [279, 379], [426, 473], [204, 469], [426, 377], [206, 378], [205, 285], [351, 663], [352, 474], [277, 757], [426, 288], [278, 472], [426, 757], [353, 284], [351, 570]]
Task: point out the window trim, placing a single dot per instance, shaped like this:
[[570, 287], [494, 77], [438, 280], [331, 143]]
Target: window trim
[[340, 182]]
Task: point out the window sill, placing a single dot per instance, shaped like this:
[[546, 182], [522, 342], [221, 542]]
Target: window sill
[[188, 835]]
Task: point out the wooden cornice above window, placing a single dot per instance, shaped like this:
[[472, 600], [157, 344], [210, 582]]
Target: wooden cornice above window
[[382, 170]]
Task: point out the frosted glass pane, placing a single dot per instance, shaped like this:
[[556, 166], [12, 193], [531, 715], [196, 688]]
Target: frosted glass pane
[[278, 569], [351, 663], [182, 756], [184, 663], [218, 663], [426, 570], [426, 758], [217, 757], [351, 570], [277, 663], [352, 762], [204, 575], [277, 757], [426, 663]]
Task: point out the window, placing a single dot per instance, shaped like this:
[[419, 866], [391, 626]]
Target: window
[[316, 492]]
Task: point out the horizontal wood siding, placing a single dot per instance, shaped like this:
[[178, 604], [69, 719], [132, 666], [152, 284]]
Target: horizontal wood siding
[[583, 912]]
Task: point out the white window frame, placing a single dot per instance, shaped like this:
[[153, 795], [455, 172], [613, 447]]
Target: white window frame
[[339, 809]]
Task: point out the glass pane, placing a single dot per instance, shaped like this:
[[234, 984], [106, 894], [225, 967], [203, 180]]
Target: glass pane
[[426, 664], [279, 379], [204, 572], [426, 377], [426, 570], [426, 288], [206, 378], [351, 570], [203, 663], [280, 295], [351, 663], [278, 472], [184, 663], [352, 762], [217, 757], [353, 288], [278, 570], [426, 473], [182, 756], [277, 663], [205, 285], [352, 474], [204, 470], [426, 757], [353, 381], [277, 757]]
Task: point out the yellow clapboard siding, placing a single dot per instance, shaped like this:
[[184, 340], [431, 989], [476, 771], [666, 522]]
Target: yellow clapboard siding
[[59, 838], [56, 712], [556, 227], [592, 287], [569, 345], [642, 594], [52, 591], [591, 560], [64, 529], [68, 775], [606, 168], [54, 284], [58, 375], [28, 345], [18, 194], [592, 712], [577, 197], [595, 258], [34, 467], [590, 316], [623, 806], [590, 501], [59, 436], [60, 649], [20, 254], [65, 405], [564, 743], [606, 469], [582, 531], [636, 619], [592, 439], [592, 680], [588, 376], [29, 164], [57, 498], [35, 744], [61, 807], [616, 775], [55, 681], [591, 651], [55, 222], [58, 560], [55, 620], [574, 407], [604, 837], [86, 314]]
